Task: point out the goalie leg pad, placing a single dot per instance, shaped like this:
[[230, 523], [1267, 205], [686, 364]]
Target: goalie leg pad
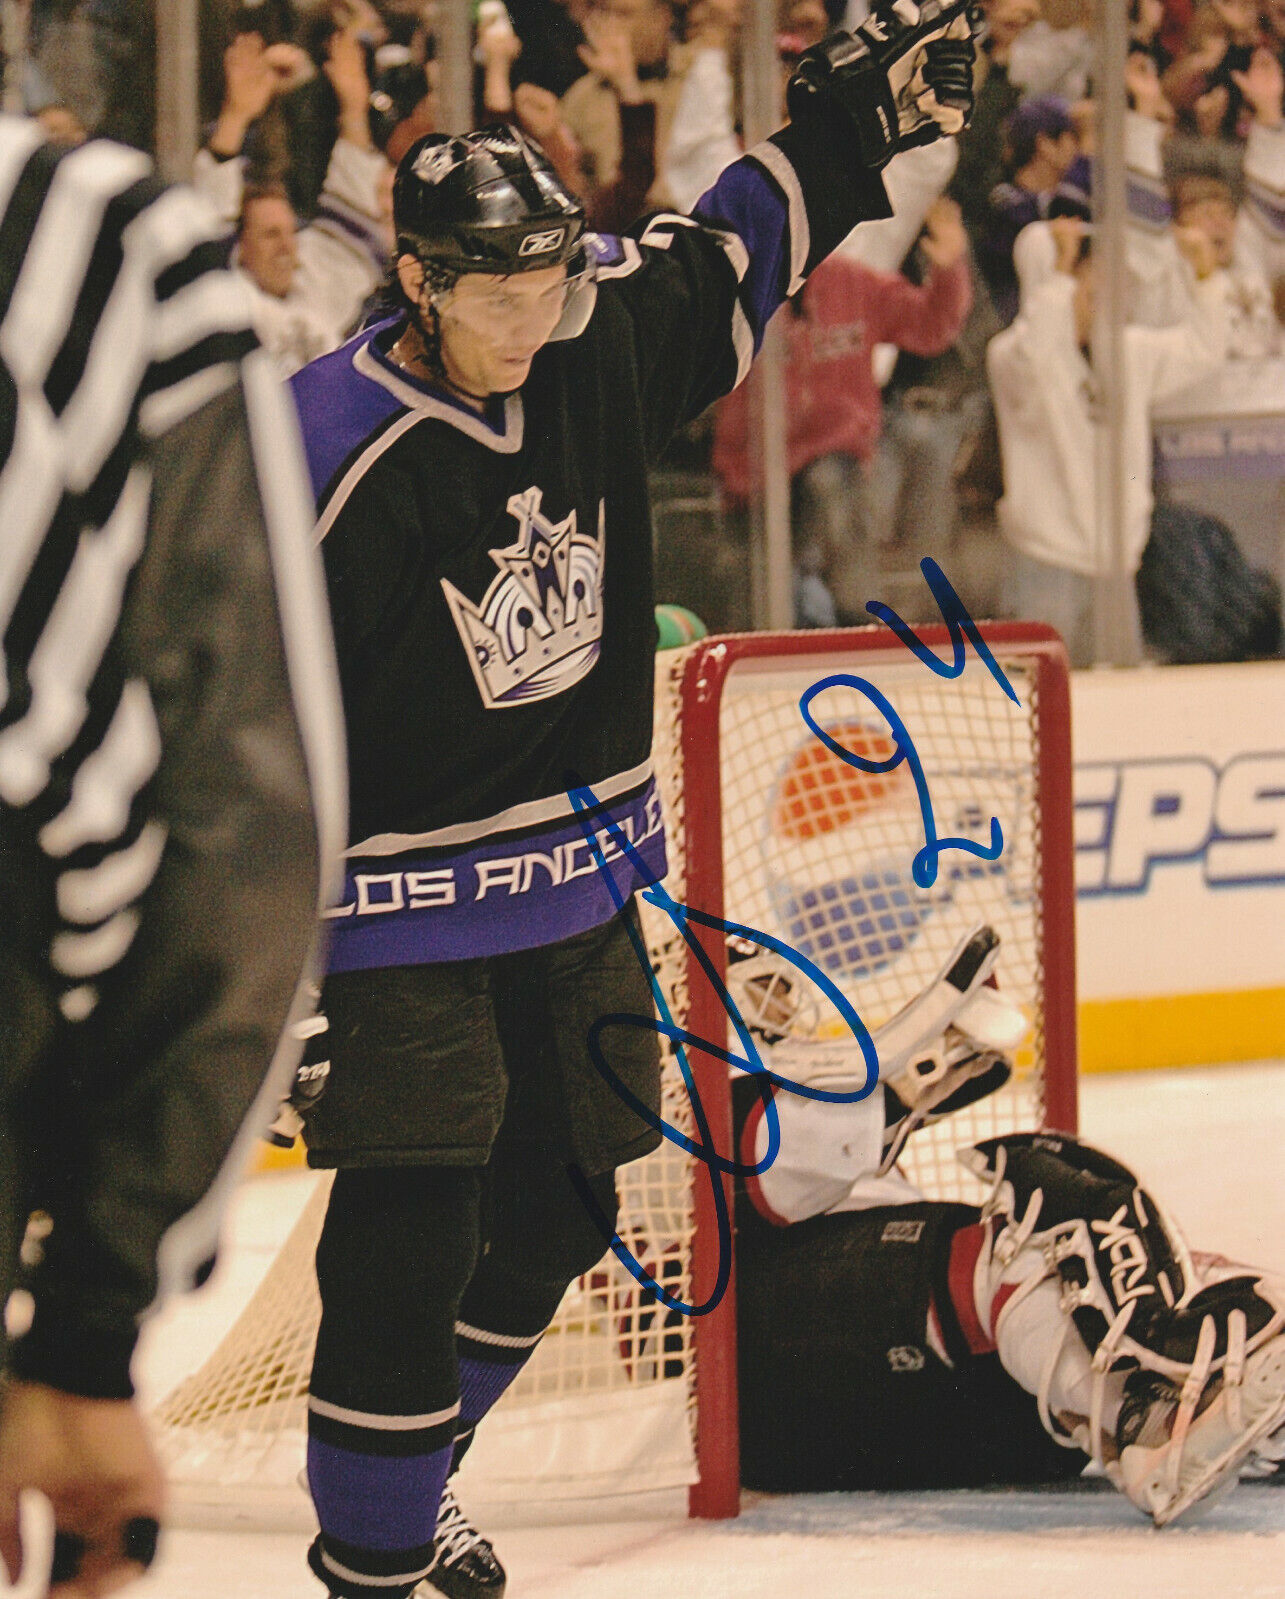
[[1195, 1366], [1078, 1265], [843, 1384]]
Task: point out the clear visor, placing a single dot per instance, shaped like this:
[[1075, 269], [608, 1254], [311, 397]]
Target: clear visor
[[525, 307]]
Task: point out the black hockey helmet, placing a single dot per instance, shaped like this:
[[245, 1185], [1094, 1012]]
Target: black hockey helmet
[[488, 201]]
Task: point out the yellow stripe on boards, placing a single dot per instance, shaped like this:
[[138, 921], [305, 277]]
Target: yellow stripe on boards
[[1116, 1035], [1182, 1030]]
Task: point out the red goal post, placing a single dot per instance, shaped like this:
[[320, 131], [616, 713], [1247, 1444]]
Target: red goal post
[[1037, 654]]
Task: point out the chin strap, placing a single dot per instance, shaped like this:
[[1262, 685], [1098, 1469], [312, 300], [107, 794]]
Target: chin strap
[[422, 313]]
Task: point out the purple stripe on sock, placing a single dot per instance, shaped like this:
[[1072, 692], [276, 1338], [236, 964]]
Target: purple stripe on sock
[[481, 1384], [376, 1501]]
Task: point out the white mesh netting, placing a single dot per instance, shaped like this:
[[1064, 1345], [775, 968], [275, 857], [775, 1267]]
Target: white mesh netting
[[815, 853]]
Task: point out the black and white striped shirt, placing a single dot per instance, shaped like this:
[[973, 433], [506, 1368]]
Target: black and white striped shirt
[[171, 758]]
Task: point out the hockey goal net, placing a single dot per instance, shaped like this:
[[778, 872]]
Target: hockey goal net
[[768, 827]]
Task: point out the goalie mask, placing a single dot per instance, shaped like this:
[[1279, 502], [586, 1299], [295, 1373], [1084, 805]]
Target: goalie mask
[[490, 202], [774, 1000]]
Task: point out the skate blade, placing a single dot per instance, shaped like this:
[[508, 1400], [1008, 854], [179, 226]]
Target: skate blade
[[1262, 1399]]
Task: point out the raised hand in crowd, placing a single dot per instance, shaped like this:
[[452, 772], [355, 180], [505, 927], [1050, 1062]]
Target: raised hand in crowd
[[1263, 86], [1142, 83], [1146, 18], [1187, 81], [498, 47], [608, 50], [253, 74], [93, 1461], [359, 17], [1210, 111], [944, 240], [1239, 17], [346, 69], [539, 113], [496, 40]]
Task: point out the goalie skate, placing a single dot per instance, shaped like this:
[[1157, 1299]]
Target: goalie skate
[[1182, 1444]]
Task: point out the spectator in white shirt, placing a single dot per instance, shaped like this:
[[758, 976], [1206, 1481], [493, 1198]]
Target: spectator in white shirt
[[1058, 61], [309, 284], [1044, 391], [1206, 204]]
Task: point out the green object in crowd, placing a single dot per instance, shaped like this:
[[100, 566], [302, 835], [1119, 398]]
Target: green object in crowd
[[676, 626]]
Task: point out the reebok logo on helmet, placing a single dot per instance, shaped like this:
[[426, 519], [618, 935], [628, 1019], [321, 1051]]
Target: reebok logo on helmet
[[541, 243]]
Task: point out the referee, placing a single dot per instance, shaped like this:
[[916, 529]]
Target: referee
[[171, 794]]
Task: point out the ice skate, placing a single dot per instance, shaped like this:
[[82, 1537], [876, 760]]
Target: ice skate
[[464, 1563], [1183, 1439]]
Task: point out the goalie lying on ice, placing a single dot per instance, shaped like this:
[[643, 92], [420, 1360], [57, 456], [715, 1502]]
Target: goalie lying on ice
[[890, 1341]]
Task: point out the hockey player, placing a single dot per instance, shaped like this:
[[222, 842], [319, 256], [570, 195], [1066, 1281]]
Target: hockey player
[[480, 460], [170, 763], [946, 1346]]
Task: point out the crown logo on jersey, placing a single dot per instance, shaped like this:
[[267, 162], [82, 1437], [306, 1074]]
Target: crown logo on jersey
[[538, 626]]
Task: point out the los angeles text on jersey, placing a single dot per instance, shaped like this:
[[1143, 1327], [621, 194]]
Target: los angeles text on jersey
[[414, 910]]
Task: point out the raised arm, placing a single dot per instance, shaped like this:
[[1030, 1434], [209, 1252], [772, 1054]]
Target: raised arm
[[702, 288]]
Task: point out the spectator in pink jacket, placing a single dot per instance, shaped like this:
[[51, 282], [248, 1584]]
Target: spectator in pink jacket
[[835, 409]]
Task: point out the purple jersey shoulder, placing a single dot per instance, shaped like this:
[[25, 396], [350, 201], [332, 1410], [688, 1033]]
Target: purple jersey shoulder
[[339, 408]]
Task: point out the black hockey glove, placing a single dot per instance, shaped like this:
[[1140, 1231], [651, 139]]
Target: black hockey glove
[[310, 1079], [903, 78]]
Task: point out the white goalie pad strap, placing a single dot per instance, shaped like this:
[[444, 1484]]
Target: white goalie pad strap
[[1039, 1347], [825, 1151], [1021, 1297]]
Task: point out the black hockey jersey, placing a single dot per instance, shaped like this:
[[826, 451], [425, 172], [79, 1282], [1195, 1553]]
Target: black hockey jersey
[[491, 576]]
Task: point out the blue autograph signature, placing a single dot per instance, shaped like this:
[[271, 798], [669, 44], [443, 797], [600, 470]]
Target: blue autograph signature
[[924, 870]]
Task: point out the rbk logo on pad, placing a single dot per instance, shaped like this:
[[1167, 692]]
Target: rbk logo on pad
[[537, 628], [541, 243]]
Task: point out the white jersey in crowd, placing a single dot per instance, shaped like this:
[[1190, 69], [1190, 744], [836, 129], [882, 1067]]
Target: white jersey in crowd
[[1043, 389], [342, 253], [1260, 227]]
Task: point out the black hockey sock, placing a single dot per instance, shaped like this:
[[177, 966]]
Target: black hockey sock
[[540, 1239], [396, 1252]]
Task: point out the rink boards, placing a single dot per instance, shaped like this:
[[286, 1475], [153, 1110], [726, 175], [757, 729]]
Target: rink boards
[[1180, 864]]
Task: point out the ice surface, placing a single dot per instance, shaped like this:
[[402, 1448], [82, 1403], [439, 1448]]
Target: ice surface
[[1209, 1144]]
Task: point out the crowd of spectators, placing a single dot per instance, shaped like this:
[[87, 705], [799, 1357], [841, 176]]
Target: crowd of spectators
[[941, 387]]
